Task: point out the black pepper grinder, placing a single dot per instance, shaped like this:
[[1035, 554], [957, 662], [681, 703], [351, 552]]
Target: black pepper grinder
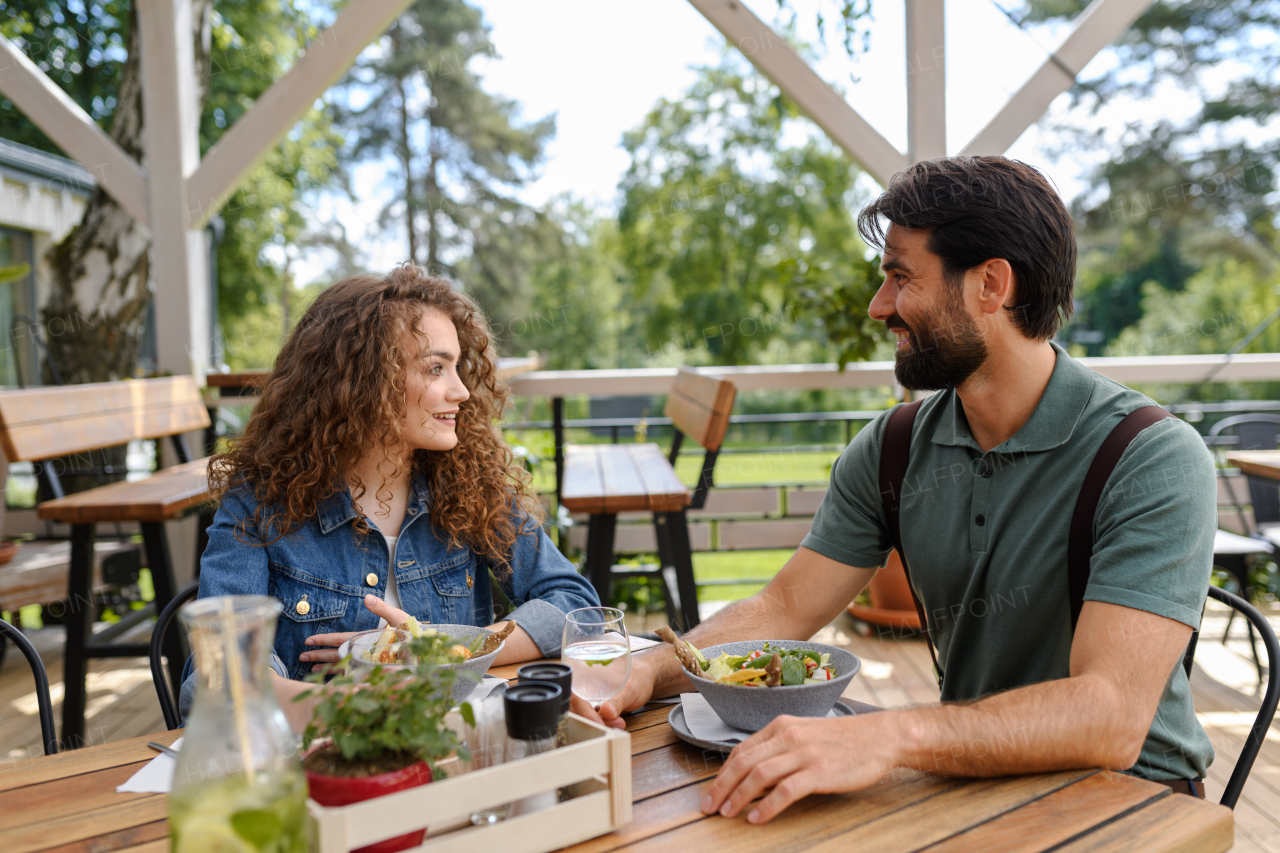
[[556, 673], [533, 716]]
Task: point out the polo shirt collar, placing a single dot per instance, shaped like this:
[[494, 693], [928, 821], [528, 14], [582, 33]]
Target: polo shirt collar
[[338, 508], [1050, 425]]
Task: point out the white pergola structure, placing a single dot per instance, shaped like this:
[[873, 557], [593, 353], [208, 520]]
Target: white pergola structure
[[178, 191]]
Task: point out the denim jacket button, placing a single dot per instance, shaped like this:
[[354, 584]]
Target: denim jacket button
[[371, 579], [303, 608]]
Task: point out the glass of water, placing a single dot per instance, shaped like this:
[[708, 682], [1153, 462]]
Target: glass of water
[[597, 649]]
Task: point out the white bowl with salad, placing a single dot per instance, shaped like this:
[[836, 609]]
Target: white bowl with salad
[[749, 683]]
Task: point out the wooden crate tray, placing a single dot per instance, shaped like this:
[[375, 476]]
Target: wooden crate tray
[[595, 766]]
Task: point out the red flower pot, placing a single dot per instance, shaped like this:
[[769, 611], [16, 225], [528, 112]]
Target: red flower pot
[[889, 589], [891, 604], [344, 790]]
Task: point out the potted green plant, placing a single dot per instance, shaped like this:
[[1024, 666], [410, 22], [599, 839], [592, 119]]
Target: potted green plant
[[383, 732]]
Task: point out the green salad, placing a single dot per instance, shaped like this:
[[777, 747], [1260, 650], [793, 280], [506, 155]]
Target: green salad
[[794, 666]]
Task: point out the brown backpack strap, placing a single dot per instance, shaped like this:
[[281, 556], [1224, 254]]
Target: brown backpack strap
[[1080, 539], [895, 454]]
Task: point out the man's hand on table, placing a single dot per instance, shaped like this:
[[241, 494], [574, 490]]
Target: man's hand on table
[[637, 691], [798, 756]]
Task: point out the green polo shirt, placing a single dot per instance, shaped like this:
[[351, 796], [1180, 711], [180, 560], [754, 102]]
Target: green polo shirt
[[986, 536]]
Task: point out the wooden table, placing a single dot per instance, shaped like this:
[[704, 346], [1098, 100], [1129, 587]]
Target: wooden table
[[68, 803], [1260, 463]]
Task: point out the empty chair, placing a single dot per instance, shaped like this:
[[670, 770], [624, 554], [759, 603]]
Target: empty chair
[[1255, 431], [168, 695], [47, 732]]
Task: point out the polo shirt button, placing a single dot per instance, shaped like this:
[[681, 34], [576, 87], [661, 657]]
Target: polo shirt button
[[985, 470], [980, 520], [371, 579]]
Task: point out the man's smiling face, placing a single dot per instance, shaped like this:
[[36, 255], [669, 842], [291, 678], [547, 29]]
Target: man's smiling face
[[939, 344]]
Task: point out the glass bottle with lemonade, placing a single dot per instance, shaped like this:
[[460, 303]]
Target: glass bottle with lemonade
[[238, 786]]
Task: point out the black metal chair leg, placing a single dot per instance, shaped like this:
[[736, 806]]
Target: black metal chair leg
[[1253, 647], [677, 524], [599, 567], [667, 573], [157, 545], [79, 621]]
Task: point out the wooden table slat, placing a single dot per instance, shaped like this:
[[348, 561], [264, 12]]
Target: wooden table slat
[[1262, 463], [1056, 818], [136, 839], [664, 489], [86, 824], [165, 495], [65, 765], [623, 487], [1173, 824], [582, 489]]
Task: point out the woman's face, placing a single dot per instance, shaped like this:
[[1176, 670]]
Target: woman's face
[[433, 389]]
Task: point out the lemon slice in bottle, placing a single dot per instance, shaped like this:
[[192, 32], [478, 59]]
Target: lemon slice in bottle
[[210, 835]]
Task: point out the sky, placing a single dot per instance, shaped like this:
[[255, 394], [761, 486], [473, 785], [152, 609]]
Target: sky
[[601, 65]]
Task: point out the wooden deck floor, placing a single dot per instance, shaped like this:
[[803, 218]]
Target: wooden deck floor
[[895, 672]]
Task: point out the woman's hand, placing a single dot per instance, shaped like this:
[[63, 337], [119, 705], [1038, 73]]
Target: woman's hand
[[319, 656]]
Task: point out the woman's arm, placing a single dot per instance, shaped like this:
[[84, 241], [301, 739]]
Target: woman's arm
[[518, 648], [544, 586], [233, 563]]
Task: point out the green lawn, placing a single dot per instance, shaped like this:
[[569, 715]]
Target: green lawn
[[783, 466], [735, 564]]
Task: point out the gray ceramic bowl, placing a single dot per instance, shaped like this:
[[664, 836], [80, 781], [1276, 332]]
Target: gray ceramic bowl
[[463, 634], [753, 708]]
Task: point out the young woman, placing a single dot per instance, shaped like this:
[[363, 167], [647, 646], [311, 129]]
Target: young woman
[[371, 483]]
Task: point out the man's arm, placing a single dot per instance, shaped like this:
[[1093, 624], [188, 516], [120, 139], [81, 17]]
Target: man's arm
[[1121, 660], [803, 597]]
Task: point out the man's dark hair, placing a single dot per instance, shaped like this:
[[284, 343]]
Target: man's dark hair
[[979, 208]]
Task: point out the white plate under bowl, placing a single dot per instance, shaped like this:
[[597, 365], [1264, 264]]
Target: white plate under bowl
[[676, 720]]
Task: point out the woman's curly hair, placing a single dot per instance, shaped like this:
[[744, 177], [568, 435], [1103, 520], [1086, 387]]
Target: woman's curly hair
[[338, 389]]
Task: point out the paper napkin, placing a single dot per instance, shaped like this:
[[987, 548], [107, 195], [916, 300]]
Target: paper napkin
[[155, 777], [705, 723], [486, 686]]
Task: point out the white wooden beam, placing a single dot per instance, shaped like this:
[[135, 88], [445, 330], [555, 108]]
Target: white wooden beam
[[1098, 25], [171, 122], [926, 80], [74, 131], [829, 110], [254, 134]]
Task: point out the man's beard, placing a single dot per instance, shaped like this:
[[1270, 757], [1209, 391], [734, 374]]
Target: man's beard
[[944, 349]]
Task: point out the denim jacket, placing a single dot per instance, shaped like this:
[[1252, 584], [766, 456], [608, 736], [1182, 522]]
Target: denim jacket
[[321, 573]]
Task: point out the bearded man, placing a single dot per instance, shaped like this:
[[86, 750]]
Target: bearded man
[[979, 261]]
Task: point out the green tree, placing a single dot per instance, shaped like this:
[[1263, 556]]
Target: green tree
[[254, 43], [1219, 305], [80, 48], [578, 314], [460, 153], [732, 237], [91, 52], [1176, 196]]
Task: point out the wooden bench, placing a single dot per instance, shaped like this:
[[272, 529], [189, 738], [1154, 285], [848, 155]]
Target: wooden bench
[[603, 480], [45, 423]]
